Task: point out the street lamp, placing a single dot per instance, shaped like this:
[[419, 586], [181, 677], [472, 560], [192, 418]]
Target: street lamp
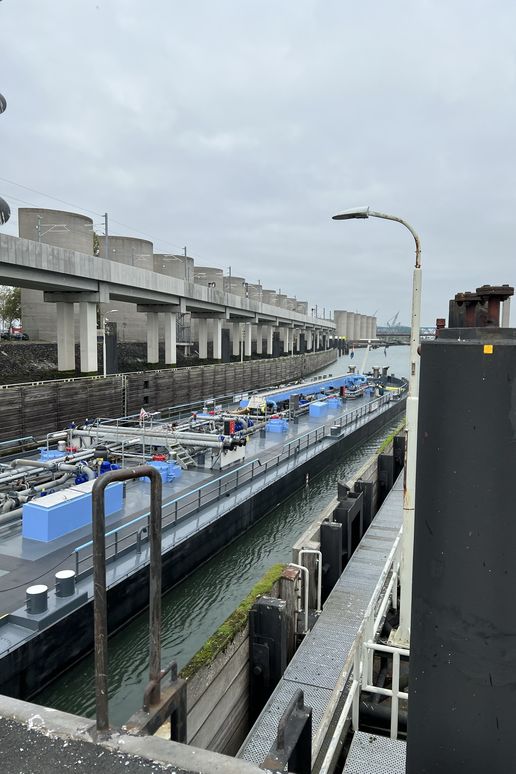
[[104, 321], [402, 636]]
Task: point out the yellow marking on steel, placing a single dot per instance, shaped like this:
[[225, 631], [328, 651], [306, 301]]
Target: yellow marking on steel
[[488, 349]]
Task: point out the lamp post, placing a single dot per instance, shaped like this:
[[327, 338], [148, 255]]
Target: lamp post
[[402, 636], [104, 321]]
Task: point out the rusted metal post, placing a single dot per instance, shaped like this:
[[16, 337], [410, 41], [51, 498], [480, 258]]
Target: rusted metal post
[[99, 583]]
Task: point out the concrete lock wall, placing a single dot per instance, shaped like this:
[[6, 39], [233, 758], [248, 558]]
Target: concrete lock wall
[[39, 409], [61, 229]]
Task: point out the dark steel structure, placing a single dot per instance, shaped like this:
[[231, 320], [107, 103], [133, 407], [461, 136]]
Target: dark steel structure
[[463, 634], [152, 694]]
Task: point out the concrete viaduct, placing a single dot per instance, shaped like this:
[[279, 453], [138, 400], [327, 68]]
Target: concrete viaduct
[[68, 277]]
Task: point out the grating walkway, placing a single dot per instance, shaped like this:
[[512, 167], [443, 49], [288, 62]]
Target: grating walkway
[[322, 664], [371, 754]]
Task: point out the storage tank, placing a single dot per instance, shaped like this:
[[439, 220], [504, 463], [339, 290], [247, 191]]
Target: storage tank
[[204, 275], [356, 326], [69, 230], [179, 266], [269, 297], [255, 291], [281, 300], [341, 323], [302, 307], [235, 285], [291, 303], [131, 251]]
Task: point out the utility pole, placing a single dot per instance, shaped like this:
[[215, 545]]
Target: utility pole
[[184, 248], [106, 237], [38, 227]]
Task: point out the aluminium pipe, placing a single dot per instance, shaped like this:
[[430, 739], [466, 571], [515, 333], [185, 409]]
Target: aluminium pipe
[[10, 517], [77, 468], [318, 554], [196, 440]]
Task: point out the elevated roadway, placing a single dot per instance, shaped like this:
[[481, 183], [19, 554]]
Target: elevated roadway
[[68, 277]]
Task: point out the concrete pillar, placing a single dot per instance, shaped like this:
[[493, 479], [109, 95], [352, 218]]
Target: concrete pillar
[[203, 338], [297, 340], [170, 338], [269, 333], [309, 339], [285, 340], [236, 334], [152, 337], [259, 340], [88, 336], [66, 337], [216, 330], [317, 340], [247, 339]]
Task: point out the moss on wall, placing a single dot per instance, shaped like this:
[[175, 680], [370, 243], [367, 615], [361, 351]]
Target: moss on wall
[[390, 438], [234, 624]]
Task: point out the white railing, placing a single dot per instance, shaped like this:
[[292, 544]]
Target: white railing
[[360, 677]]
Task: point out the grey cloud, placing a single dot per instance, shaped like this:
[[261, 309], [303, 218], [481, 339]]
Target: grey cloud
[[239, 128]]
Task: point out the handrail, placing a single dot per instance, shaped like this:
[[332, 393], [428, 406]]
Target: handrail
[[362, 662], [190, 502]]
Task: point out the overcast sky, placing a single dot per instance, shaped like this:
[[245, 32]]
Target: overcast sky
[[238, 128]]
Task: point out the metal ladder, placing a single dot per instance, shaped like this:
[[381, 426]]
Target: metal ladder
[[181, 455]]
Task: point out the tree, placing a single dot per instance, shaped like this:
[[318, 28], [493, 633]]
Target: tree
[[10, 305], [96, 244]]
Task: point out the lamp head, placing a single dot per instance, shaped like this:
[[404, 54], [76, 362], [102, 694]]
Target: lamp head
[[354, 212]]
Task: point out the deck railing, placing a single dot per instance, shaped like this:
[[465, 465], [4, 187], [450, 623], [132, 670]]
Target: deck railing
[[132, 535]]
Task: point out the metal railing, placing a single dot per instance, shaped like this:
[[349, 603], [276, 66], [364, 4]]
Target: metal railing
[[132, 534], [359, 675]]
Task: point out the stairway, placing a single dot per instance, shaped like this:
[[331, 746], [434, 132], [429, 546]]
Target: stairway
[[181, 455]]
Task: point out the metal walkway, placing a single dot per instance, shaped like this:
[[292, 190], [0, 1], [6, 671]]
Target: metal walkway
[[371, 754], [322, 664]]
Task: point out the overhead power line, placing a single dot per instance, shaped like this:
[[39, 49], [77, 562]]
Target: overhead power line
[[87, 209]]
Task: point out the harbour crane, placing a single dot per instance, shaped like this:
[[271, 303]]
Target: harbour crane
[[392, 322]]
